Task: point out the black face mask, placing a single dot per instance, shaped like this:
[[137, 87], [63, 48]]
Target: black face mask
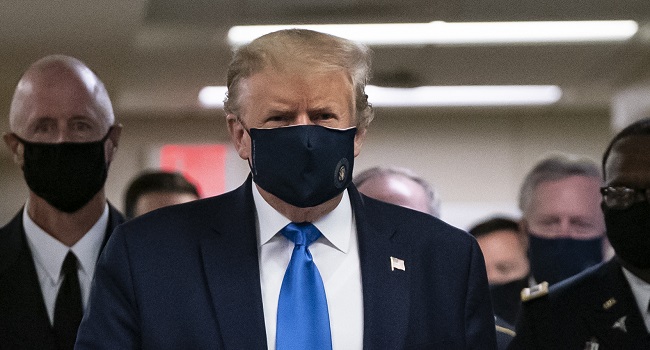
[[553, 260], [66, 175], [506, 298], [303, 165], [628, 231]]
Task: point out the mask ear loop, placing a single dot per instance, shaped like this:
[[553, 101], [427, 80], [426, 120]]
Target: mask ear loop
[[103, 141], [250, 160], [238, 119], [107, 134], [20, 139]]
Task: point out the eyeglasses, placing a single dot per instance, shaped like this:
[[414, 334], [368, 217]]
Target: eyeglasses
[[619, 197]]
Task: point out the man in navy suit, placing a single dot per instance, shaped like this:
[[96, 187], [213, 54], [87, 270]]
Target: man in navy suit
[[63, 137], [209, 273], [607, 306]]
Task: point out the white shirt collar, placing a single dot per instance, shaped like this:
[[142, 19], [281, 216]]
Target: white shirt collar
[[640, 289], [50, 253], [335, 225]]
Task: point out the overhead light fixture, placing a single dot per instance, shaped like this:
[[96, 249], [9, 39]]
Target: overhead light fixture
[[460, 33], [459, 96], [212, 96], [435, 96]]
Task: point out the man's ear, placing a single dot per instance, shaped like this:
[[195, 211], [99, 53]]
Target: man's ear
[[15, 147], [114, 138], [239, 136], [358, 140]]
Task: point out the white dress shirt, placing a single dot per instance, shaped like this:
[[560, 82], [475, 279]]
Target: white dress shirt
[[641, 291], [336, 255], [48, 254]]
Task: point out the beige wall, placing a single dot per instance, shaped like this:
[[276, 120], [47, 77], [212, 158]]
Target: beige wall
[[477, 160]]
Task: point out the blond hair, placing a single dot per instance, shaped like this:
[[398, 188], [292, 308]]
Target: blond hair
[[300, 48]]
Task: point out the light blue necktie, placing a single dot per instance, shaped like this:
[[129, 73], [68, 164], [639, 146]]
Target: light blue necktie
[[303, 319]]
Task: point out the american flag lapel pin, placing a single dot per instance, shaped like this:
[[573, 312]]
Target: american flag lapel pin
[[396, 263], [620, 324]]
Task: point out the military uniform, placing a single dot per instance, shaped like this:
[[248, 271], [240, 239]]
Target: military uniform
[[593, 310], [505, 333]]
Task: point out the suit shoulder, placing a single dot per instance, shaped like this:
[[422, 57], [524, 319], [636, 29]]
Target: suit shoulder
[[575, 290], [11, 241], [421, 226]]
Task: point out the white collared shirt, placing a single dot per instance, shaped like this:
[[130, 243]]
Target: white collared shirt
[[48, 254], [641, 291], [336, 255]]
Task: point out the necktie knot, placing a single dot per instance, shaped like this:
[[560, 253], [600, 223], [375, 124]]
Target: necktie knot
[[69, 264], [301, 234]]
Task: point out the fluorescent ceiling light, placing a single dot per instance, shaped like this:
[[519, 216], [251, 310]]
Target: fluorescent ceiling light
[[477, 95], [433, 96], [443, 33], [212, 96]]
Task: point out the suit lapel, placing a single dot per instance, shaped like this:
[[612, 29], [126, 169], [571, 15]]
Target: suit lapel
[[114, 218], [615, 320], [230, 260], [386, 292], [21, 300], [21, 290]]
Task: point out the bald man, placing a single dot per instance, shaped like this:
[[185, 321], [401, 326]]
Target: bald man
[[399, 186], [63, 136]]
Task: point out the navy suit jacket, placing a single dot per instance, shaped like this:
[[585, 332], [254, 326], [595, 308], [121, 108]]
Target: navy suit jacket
[[24, 323], [584, 309], [188, 277]]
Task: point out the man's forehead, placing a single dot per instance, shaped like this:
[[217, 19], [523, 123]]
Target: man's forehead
[[43, 90], [569, 193], [630, 157], [574, 183], [314, 82], [62, 102]]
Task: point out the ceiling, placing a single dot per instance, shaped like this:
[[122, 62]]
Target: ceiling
[[156, 55]]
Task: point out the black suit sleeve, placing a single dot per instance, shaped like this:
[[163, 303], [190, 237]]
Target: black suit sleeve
[[111, 320], [479, 318]]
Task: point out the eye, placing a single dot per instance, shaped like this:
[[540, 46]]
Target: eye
[[43, 127], [40, 129], [275, 121], [276, 118], [581, 224], [81, 126], [324, 118], [549, 222]]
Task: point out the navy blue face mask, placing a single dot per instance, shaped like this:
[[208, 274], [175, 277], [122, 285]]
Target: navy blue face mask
[[303, 165], [553, 260]]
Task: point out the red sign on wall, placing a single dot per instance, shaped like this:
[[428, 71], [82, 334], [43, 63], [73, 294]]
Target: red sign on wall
[[203, 165]]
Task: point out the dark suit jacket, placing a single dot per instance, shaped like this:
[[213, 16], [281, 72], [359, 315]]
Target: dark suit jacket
[[24, 323], [583, 309], [187, 277]]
